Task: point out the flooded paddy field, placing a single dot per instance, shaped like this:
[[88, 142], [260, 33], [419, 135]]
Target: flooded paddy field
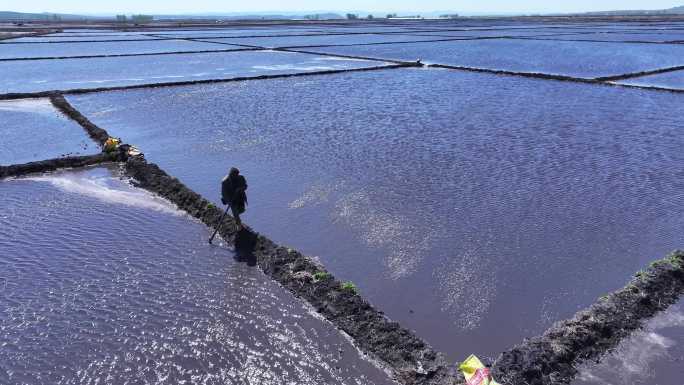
[[423, 213], [475, 209], [123, 71], [22, 50], [578, 59], [654, 355], [104, 283], [32, 130], [672, 80]]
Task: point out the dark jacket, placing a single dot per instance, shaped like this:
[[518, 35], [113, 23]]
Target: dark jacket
[[233, 191]]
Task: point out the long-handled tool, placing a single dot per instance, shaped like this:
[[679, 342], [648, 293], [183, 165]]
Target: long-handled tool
[[218, 225]]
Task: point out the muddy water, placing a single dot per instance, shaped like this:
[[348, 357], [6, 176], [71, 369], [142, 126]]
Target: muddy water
[[654, 355], [474, 209], [32, 130], [103, 283]]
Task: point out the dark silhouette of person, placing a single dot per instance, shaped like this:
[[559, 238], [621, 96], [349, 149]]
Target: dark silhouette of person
[[233, 193]]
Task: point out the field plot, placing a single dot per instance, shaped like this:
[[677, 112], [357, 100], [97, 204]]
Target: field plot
[[651, 356], [579, 59], [625, 37], [437, 189], [673, 80], [144, 298], [47, 50], [17, 76], [274, 42], [473, 208], [57, 38], [32, 130]]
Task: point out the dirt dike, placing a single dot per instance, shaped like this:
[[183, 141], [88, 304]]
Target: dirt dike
[[58, 163], [409, 358], [99, 135], [552, 357]]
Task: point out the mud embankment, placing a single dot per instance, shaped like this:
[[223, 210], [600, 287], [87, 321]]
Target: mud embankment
[[552, 357], [56, 164], [99, 135]]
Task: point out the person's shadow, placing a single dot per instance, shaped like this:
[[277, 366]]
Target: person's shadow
[[245, 242]]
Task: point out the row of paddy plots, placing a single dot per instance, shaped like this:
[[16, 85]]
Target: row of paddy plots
[[473, 208]]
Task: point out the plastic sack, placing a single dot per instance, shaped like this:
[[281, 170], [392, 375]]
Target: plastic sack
[[475, 372]]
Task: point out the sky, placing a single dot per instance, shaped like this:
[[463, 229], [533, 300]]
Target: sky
[[201, 6]]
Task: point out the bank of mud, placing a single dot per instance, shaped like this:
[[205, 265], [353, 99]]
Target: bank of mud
[[552, 357]]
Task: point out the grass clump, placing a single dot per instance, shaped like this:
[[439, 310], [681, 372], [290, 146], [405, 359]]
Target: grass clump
[[211, 206], [321, 275], [349, 286]]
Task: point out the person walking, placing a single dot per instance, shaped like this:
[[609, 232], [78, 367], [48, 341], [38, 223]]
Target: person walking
[[233, 193]]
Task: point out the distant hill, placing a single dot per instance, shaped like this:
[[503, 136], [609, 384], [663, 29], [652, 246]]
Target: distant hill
[[671, 11], [20, 16]]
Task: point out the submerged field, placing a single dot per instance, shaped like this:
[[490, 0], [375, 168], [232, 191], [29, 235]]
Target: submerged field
[[475, 208]]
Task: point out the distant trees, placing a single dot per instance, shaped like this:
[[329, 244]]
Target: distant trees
[[136, 19], [369, 17], [141, 19], [352, 16], [449, 16], [312, 17], [391, 15]]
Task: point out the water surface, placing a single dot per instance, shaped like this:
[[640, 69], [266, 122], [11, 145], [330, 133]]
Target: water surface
[[580, 59], [104, 283], [19, 50], [32, 130], [475, 209], [673, 80], [122, 71], [654, 355]]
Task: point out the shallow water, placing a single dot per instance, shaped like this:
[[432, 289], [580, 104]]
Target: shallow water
[[104, 283], [580, 59], [32, 130], [653, 37], [76, 38], [107, 72], [19, 50], [454, 200], [273, 42], [654, 355], [673, 80]]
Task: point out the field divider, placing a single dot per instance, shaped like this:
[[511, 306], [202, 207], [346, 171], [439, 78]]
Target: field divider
[[552, 357], [81, 91], [48, 165], [401, 63], [127, 54]]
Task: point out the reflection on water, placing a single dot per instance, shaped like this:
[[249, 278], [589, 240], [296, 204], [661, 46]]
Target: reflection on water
[[475, 209], [100, 287], [654, 355]]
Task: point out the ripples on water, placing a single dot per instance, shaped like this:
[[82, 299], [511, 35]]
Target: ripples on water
[[32, 129], [654, 355], [475, 209], [102, 283]]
